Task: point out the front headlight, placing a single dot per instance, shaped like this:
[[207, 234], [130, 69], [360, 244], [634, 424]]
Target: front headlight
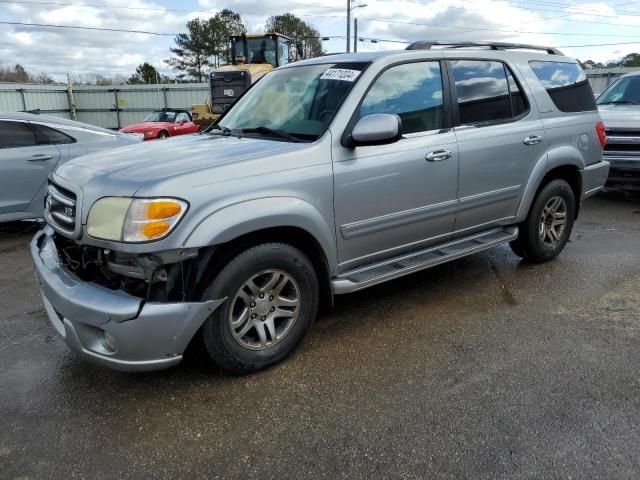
[[134, 219]]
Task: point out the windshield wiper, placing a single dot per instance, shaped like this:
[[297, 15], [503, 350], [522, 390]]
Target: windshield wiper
[[223, 130], [272, 133], [619, 102]]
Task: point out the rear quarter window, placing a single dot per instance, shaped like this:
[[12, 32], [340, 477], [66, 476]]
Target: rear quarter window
[[566, 84], [50, 136]]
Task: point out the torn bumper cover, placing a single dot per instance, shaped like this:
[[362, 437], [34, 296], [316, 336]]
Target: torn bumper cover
[[111, 327]]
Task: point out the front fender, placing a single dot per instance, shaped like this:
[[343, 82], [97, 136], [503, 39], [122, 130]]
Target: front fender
[[245, 217]]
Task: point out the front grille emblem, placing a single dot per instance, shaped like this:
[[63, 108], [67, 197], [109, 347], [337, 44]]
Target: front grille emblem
[[68, 211]]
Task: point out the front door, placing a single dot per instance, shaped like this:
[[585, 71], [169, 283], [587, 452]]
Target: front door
[[24, 165], [500, 140], [395, 198]]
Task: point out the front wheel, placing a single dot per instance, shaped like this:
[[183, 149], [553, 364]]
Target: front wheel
[[162, 135], [546, 231], [272, 299]]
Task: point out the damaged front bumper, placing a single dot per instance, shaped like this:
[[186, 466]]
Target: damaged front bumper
[[111, 327]]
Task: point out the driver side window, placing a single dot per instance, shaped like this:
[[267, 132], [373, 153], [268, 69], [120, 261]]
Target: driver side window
[[412, 91], [181, 117]]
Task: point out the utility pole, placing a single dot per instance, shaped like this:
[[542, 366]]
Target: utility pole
[[355, 35], [348, 26]]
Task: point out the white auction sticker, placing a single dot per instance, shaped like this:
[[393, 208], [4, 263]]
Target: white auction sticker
[[343, 74]]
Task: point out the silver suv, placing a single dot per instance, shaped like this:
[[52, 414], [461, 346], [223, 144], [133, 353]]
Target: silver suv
[[327, 176], [619, 106]]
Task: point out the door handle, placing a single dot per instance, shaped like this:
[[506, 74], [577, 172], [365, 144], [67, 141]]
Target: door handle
[[532, 140], [40, 157], [438, 156]]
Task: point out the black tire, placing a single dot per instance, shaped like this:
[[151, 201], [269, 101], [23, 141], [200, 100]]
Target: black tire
[[222, 347], [162, 135], [529, 244]]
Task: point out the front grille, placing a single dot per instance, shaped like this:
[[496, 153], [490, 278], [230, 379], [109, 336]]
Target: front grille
[[60, 209], [622, 142], [618, 132], [622, 147]]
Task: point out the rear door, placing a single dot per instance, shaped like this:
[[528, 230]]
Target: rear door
[[24, 165], [500, 137]]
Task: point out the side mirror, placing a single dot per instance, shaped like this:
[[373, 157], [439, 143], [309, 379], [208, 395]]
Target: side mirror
[[376, 129], [184, 121]]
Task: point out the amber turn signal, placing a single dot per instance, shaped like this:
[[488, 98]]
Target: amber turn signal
[[162, 209]]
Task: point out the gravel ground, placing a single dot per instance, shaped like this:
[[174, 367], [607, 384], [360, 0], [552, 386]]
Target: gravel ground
[[483, 368]]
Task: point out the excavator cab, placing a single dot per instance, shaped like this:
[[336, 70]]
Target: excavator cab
[[252, 56]]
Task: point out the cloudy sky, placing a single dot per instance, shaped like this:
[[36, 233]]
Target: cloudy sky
[[57, 52]]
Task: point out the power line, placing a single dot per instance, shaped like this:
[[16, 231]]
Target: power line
[[474, 29], [599, 45], [156, 9], [120, 30]]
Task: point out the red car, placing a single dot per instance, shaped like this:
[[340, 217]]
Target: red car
[[163, 124]]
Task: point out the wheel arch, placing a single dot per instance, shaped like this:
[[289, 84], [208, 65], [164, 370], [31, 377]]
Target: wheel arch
[[216, 257], [226, 232], [571, 172]]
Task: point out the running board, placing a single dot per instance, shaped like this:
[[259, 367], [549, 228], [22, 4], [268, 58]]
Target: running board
[[415, 261]]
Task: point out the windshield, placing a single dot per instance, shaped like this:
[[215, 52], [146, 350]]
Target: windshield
[[300, 101], [161, 117], [624, 91]]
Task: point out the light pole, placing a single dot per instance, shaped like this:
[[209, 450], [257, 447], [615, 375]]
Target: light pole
[[355, 35], [349, 9]]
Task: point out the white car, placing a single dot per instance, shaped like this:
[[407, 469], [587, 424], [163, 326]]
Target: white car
[[31, 146]]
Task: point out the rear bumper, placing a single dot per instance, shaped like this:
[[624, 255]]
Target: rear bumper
[[111, 327], [594, 178]]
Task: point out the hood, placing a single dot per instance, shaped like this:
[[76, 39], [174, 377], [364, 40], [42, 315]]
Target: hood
[[620, 116], [146, 126], [202, 158]]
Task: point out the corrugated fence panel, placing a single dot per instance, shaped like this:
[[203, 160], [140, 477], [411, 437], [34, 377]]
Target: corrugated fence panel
[[179, 97], [101, 119], [10, 101], [51, 101], [93, 99], [16, 97]]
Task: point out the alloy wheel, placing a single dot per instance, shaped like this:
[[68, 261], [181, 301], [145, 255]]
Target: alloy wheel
[[553, 221], [264, 309]]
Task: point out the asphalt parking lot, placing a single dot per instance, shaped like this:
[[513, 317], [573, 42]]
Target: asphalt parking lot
[[483, 368]]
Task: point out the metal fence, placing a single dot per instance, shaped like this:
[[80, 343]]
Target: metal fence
[[109, 107], [117, 106]]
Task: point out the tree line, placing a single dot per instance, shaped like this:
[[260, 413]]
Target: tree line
[[205, 45], [630, 60]]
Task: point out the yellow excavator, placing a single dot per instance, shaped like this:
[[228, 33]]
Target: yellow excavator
[[252, 56]]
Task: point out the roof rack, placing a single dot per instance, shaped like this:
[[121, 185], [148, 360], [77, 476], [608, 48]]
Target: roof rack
[[428, 44]]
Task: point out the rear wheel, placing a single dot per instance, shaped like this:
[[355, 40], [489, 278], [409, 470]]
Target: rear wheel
[[272, 299], [546, 231]]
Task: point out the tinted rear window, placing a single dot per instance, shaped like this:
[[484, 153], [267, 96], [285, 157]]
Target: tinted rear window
[[487, 92], [566, 84], [50, 136]]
